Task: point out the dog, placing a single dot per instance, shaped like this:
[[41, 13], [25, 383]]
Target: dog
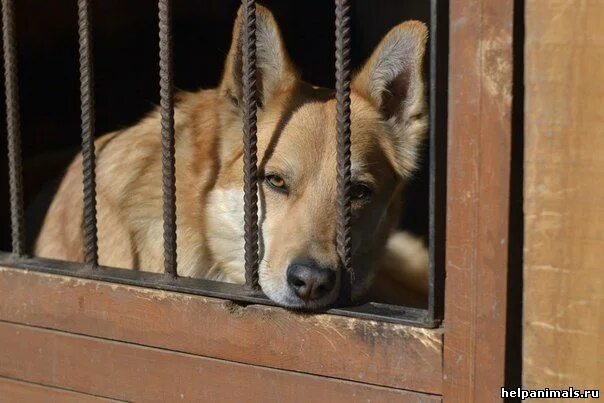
[[299, 267]]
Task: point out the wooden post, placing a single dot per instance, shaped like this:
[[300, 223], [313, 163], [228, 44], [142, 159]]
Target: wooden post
[[480, 117], [564, 195]]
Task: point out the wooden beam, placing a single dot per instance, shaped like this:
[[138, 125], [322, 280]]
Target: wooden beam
[[564, 195], [12, 390], [132, 372], [359, 350], [479, 137]]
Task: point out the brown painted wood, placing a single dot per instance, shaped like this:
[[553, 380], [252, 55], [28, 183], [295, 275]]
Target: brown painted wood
[[358, 350], [564, 195], [137, 373], [480, 104], [12, 390]]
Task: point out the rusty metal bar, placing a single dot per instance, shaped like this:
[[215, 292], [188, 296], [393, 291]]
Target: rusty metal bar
[[439, 12], [343, 236], [250, 159], [11, 85], [91, 255], [166, 85]]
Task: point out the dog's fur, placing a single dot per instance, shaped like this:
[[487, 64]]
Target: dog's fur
[[297, 142]]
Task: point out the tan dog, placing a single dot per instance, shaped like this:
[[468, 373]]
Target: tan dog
[[297, 154]]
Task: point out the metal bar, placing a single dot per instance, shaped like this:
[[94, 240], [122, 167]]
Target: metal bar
[[209, 288], [250, 159], [11, 85], [343, 236], [166, 85], [438, 154], [91, 255]]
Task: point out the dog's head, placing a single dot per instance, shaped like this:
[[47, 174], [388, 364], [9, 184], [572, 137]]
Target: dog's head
[[297, 162]]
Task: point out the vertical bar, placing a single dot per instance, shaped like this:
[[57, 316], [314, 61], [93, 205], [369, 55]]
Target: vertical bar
[[438, 155], [250, 159], [87, 116], [343, 235], [432, 157], [167, 131], [11, 84]]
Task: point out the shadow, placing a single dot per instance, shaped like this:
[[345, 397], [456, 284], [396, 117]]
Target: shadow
[[513, 365]]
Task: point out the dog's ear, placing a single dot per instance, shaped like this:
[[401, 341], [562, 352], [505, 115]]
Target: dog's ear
[[392, 80], [275, 71]]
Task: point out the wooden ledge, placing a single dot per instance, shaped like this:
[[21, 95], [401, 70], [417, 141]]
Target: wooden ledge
[[371, 352]]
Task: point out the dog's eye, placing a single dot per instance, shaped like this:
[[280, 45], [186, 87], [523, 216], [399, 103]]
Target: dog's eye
[[276, 182], [360, 192]]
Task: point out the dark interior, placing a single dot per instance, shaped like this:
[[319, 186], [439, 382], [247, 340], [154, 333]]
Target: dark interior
[[126, 73]]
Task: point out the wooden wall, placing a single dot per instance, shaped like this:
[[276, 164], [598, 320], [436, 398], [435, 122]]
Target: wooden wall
[[564, 194], [82, 340]]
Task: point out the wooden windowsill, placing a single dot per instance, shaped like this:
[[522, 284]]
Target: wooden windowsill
[[359, 350]]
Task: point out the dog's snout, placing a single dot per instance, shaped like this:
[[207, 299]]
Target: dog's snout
[[310, 281]]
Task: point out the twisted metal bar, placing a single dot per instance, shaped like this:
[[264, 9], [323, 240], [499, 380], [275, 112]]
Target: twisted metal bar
[[343, 236], [167, 130], [91, 255], [250, 159], [11, 84]]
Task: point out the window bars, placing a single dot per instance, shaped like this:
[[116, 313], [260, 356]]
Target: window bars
[[250, 159], [438, 84], [438, 79], [11, 84], [343, 235], [166, 85], [91, 252]]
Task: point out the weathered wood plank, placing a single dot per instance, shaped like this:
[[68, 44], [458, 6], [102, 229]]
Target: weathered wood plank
[[137, 373], [480, 105], [564, 194], [359, 350], [12, 390]]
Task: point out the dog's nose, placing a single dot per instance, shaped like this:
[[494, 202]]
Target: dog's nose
[[310, 281]]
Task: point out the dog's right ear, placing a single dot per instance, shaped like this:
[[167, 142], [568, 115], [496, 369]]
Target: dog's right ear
[[392, 80], [275, 72]]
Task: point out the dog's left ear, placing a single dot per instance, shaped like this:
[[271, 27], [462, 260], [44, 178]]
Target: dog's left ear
[[275, 71], [392, 80]]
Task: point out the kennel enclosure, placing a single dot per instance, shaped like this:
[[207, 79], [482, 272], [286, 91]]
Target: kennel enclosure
[[374, 349]]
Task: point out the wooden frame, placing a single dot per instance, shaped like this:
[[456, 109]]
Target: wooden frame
[[257, 334], [93, 325], [480, 132]]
